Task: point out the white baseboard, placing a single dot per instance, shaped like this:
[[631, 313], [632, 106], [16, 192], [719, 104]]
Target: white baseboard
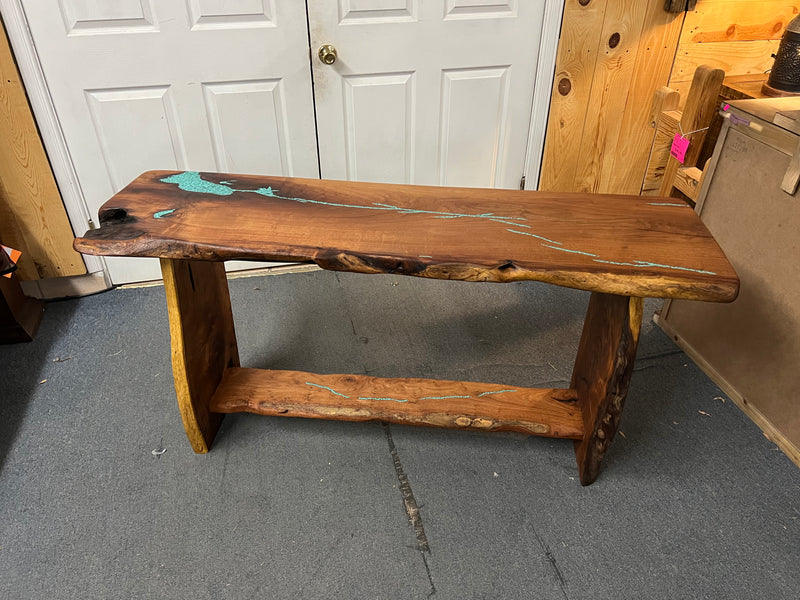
[[52, 288], [282, 269]]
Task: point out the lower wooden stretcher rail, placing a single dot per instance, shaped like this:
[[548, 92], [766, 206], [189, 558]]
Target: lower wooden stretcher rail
[[454, 404]]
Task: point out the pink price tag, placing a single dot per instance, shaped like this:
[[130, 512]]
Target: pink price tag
[[679, 147]]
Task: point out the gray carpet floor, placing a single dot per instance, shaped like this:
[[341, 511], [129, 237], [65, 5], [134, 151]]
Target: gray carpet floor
[[689, 504]]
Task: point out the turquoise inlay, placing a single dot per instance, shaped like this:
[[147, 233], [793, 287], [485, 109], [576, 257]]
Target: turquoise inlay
[[668, 204], [568, 250], [325, 387], [163, 213], [391, 399], [510, 223], [190, 181], [425, 256], [538, 237], [643, 263], [442, 397], [497, 392], [414, 211]]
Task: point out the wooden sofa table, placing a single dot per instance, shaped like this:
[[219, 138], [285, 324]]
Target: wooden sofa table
[[621, 248]]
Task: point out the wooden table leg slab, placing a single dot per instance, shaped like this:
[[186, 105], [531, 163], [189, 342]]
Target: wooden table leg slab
[[436, 403], [203, 341], [602, 373]]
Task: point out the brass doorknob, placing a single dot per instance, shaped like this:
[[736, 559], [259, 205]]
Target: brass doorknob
[[327, 54]]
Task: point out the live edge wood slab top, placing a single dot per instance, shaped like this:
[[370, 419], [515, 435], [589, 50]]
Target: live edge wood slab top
[[625, 245]]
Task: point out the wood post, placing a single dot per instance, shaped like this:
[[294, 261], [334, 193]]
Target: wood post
[[602, 372], [701, 106], [203, 341]]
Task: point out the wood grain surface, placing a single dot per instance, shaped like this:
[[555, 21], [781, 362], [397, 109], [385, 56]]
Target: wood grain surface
[[628, 245], [579, 47], [452, 404], [32, 215], [203, 341], [611, 84], [602, 373], [701, 107]]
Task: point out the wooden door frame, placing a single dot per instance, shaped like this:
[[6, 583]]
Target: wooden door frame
[[542, 91]]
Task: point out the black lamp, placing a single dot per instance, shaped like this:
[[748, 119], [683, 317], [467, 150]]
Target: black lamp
[[784, 79]]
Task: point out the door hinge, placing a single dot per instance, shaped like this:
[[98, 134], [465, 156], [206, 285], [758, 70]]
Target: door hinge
[[522, 183]]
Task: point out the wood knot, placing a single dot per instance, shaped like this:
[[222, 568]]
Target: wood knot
[[564, 86], [113, 214], [613, 41], [583, 2]]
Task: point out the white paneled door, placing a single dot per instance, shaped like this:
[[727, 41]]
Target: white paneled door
[[420, 91], [426, 92], [214, 85]]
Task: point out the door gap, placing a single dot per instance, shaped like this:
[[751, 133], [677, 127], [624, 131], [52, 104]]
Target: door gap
[[313, 90]]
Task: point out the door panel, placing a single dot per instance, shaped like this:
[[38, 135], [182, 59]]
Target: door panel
[[249, 126], [473, 122], [219, 85], [480, 9], [127, 152], [365, 11], [210, 14], [444, 88], [97, 16], [388, 133]]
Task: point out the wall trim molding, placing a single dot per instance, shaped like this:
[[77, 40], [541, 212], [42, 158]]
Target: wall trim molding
[[52, 288], [543, 90]]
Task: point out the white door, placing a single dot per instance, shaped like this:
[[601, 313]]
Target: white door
[[215, 85], [426, 92], [422, 91]]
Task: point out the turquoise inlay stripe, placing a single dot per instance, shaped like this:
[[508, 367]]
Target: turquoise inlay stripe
[[642, 263], [614, 262], [538, 237], [425, 256], [496, 392], [668, 204], [442, 397], [390, 399], [568, 250], [325, 387], [191, 181], [510, 223], [163, 213]]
